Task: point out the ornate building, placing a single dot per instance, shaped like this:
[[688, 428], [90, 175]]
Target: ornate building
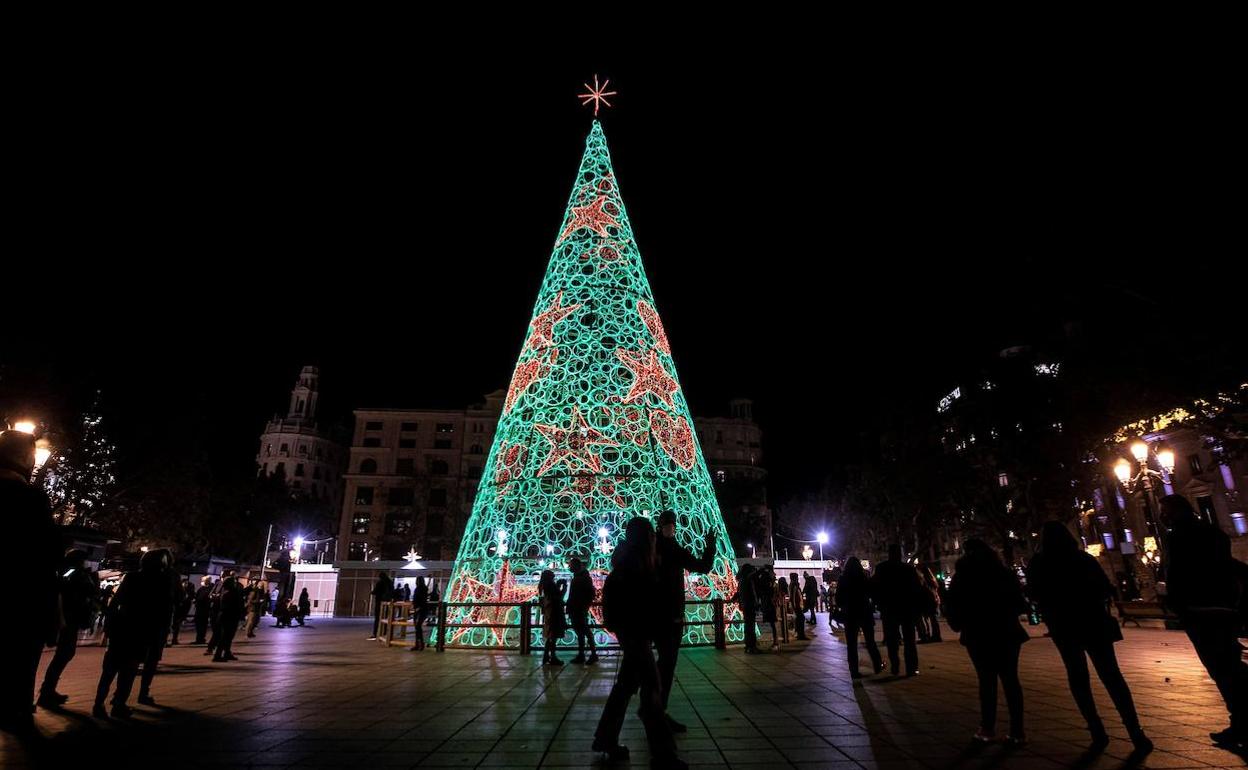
[[300, 450], [411, 480], [732, 447]]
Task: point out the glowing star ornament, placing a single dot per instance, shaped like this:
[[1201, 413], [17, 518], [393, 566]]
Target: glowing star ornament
[[572, 446], [595, 429], [597, 95]]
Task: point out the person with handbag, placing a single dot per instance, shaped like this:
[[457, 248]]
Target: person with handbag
[[1074, 593]]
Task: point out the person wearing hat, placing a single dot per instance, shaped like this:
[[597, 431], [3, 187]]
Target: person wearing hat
[[34, 557], [673, 560], [80, 600]]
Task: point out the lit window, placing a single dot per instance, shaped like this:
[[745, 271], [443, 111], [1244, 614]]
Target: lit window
[[1128, 535], [1003, 479], [720, 476], [364, 496], [1048, 370], [989, 385], [359, 525], [948, 400], [1108, 539], [1241, 525]]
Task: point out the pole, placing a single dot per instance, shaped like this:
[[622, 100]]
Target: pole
[[264, 557]]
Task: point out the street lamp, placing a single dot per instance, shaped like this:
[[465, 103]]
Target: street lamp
[[1143, 479], [24, 426], [751, 547], [822, 537]]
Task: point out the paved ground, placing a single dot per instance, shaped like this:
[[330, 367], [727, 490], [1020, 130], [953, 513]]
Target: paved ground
[[323, 696]]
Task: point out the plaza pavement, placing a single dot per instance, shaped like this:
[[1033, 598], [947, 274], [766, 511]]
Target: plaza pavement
[[322, 696]]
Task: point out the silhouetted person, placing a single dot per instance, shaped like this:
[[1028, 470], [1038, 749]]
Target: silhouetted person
[[1203, 585], [629, 609], [580, 596], [1073, 593], [203, 609], [896, 590], [32, 554], [163, 607], [768, 594], [138, 620], [673, 560], [215, 612], [811, 591], [795, 601], [257, 604], [80, 600], [983, 604], [182, 609], [853, 603], [382, 591], [930, 620], [554, 624], [747, 599], [420, 612], [305, 604], [232, 607]]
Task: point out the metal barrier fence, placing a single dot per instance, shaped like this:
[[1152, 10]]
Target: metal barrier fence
[[392, 618]]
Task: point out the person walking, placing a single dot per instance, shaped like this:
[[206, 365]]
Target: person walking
[[812, 597], [203, 609], [796, 598], [853, 604], [895, 590], [80, 600], [305, 604], [381, 593], [628, 608], [34, 555], [138, 619], [232, 606], [580, 597], [747, 600], [984, 603], [673, 560], [554, 624], [1205, 588], [1073, 594], [162, 607], [257, 604], [420, 611], [182, 609]]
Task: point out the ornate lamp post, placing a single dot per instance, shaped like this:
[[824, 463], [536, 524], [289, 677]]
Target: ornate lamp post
[[1144, 479]]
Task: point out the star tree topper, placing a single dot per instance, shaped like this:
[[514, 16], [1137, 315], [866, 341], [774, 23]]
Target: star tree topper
[[597, 94]]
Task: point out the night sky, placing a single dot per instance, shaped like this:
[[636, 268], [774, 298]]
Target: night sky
[[831, 244]]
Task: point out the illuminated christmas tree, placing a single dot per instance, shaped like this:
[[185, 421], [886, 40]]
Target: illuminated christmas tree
[[595, 428]]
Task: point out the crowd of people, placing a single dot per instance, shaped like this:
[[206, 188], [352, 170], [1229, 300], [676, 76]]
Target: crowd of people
[[136, 620]]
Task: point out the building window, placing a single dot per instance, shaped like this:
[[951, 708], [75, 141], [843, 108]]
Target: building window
[[319, 453], [407, 443], [720, 476], [433, 525], [446, 427], [441, 443], [405, 466], [439, 467], [437, 497], [409, 426], [372, 426], [359, 525], [1108, 539], [401, 496], [1193, 462], [719, 437], [356, 551], [303, 450], [368, 465], [1204, 504], [299, 469], [285, 450], [281, 469], [268, 450], [476, 449], [364, 496], [398, 523], [474, 471], [316, 472], [372, 441], [478, 428], [1241, 525], [1003, 479]]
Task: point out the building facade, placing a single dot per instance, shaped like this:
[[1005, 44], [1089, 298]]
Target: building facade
[[411, 480], [732, 447], [307, 455]]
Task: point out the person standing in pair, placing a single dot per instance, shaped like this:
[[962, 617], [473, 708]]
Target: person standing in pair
[[795, 601], [580, 597], [80, 599], [984, 603], [232, 606], [420, 611], [896, 591], [1074, 594], [628, 599], [1203, 586], [853, 602], [138, 619], [554, 624], [673, 560], [162, 603], [747, 600]]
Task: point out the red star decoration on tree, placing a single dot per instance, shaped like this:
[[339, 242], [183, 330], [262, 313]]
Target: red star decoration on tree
[[570, 445], [544, 325], [650, 376], [527, 373], [651, 319], [597, 216]]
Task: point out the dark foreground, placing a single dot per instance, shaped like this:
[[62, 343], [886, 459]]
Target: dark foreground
[[322, 696]]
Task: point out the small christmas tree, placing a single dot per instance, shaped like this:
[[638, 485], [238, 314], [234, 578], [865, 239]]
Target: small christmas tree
[[594, 431], [80, 478]]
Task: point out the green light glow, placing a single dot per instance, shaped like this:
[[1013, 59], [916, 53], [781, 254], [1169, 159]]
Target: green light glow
[[594, 431]]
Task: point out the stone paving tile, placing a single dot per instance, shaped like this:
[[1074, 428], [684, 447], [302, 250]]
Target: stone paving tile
[[323, 697]]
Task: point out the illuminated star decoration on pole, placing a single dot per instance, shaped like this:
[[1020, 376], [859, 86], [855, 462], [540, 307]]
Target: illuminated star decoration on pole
[[597, 94]]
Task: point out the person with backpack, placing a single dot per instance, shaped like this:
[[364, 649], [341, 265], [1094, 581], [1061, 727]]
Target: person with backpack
[[80, 600], [628, 599]]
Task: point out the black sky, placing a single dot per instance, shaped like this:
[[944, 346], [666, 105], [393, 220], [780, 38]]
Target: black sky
[[828, 239]]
